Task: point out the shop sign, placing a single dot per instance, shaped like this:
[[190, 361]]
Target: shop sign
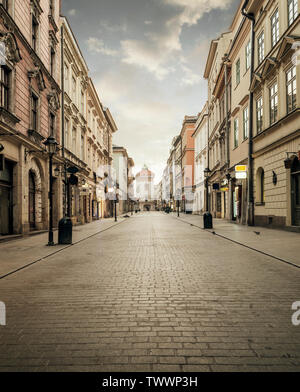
[[224, 189], [241, 175], [241, 168]]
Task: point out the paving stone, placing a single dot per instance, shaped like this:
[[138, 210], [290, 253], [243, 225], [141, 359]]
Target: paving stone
[[151, 294]]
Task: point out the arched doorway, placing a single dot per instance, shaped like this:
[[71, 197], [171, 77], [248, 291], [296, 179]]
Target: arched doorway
[[295, 171], [32, 201]]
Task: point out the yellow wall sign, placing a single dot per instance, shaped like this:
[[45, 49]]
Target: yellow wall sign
[[241, 168]]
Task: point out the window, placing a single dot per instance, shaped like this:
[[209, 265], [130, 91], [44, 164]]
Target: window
[[82, 148], [66, 133], [260, 186], [66, 72], [291, 85], [292, 10], [34, 112], [261, 47], [236, 133], [5, 87], [34, 38], [5, 4], [52, 61], [273, 103], [82, 102], [259, 115], [74, 140], [248, 55], [238, 72], [246, 123], [52, 124], [74, 88], [275, 27], [51, 7]]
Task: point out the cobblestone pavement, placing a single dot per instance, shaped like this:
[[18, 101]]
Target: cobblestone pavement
[[152, 294]]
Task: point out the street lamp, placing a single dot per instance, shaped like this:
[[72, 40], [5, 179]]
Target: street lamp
[[207, 217], [51, 146]]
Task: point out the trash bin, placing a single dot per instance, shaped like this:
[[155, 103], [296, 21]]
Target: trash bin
[[65, 231], [208, 222]]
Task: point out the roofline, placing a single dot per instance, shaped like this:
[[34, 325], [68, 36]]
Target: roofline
[[66, 22]]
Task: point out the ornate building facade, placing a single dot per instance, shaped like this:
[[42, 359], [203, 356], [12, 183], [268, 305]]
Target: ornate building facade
[[29, 112]]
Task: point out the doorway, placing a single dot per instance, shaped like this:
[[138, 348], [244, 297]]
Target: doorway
[[296, 193], [6, 211], [32, 195]]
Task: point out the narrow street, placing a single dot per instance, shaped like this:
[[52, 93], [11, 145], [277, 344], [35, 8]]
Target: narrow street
[[151, 293]]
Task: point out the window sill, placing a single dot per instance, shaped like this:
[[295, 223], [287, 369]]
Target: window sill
[[7, 117], [260, 204]]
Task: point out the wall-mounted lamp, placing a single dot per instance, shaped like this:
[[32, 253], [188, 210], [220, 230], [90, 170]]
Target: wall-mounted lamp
[[274, 178]]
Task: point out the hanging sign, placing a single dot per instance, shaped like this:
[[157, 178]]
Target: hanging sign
[[241, 175], [241, 168]]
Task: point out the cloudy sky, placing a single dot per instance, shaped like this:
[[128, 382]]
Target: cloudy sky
[[147, 59]]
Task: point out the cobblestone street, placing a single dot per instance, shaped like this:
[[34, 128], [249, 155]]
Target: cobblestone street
[[151, 294]]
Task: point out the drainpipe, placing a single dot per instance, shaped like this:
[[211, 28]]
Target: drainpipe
[[250, 219]]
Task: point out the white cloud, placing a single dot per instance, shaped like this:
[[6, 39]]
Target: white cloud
[[158, 50], [148, 22], [149, 56], [113, 28], [96, 45], [190, 78], [72, 12]]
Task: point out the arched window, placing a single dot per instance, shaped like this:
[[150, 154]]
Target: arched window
[[260, 186]]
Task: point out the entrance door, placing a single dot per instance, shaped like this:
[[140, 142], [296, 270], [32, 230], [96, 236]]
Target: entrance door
[[5, 210], [296, 193], [31, 207]]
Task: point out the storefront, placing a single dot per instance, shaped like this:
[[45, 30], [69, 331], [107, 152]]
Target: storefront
[[6, 197]]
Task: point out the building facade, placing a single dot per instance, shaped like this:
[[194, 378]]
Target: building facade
[[87, 136], [145, 192], [201, 138], [29, 113], [123, 173], [187, 163], [276, 117]]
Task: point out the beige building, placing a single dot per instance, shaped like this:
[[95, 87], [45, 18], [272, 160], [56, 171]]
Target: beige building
[[201, 136], [87, 136], [218, 76], [276, 133], [123, 173], [239, 64], [254, 117]]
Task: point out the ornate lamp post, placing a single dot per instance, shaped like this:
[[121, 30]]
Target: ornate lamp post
[[51, 146], [207, 217]]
